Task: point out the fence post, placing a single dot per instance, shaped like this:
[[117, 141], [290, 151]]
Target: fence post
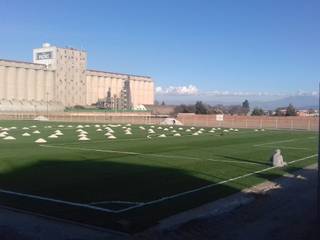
[[276, 123], [260, 123], [246, 122], [291, 124]]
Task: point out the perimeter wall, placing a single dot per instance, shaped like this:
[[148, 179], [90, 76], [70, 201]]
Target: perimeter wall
[[290, 123]]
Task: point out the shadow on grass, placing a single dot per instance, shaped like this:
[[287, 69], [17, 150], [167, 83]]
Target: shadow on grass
[[89, 181], [93, 181]]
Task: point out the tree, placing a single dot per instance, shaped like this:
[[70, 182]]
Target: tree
[[246, 106], [280, 112], [291, 111], [201, 108], [163, 103], [257, 112]]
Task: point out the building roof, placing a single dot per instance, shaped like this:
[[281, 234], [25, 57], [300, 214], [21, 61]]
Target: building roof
[[15, 61], [92, 70]]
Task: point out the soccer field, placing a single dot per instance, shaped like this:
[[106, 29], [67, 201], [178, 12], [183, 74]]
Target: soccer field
[[131, 182]]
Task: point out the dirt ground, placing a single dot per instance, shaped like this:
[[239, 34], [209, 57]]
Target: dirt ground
[[286, 212]]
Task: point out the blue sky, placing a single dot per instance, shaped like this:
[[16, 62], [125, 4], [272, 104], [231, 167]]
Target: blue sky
[[218, 47]]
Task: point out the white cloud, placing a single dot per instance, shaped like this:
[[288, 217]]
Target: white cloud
[[177, 90], [192, 90]]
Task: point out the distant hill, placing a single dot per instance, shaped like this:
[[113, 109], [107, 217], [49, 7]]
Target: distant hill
[[300, 102]]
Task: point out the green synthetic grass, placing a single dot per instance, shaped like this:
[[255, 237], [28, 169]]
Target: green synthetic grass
[[133, 168]]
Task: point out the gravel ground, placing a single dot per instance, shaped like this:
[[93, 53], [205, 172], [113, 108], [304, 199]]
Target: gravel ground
[[285, 212]]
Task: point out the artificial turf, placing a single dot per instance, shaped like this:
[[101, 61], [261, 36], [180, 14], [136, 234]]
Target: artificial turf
[[132, 169]]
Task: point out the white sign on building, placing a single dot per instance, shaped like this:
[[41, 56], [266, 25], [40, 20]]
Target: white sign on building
[[219, 117]]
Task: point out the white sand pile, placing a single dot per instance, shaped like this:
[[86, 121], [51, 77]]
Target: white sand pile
[[165, 129], [36, 132], [128, 133], [180, 128], [218, 128], [49, 126], [128, 125], [26, 135], [256, 130], [108, 134], [13, 127], [211, 131], [159, 127], [87, 126], [152, 126], [82, 135], [84, 132], [79, 126], [142, 128], [188, 130], [162, 136], [33, 126], [41, 118], [177, 135], [84, 138], [231, 129], [53, 136], [60, 126], [3, 134], [226, 130], [236, 130], [192, 128], [99, 130], [70, 126], [5, 129], [97, 126], [59, 134], [9, 138], [25, 128], [114, 125], [79, 130], [201, 129], [262, 130], [148, 136], [195, 134], [40, 140], [112, 137], [173, 131], [151, 131], [171, 127]]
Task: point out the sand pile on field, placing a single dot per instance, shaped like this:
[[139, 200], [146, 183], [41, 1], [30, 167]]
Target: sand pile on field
[[41, 118], [53, 136], [112, 137], [3, 134], [58, 133], [84, 138], [40, 140], [177, 135], [36, 132], [162, 136], [9, 138], [26, 135], [99, 130], [151, 131]]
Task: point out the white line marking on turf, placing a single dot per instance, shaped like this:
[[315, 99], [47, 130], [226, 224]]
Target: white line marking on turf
[[211, 185], [148, 154], [56, 201], [120, 202], [284, 147], [146, 203], [268, 143]]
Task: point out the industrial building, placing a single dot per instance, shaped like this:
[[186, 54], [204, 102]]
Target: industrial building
[[59, 78]]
